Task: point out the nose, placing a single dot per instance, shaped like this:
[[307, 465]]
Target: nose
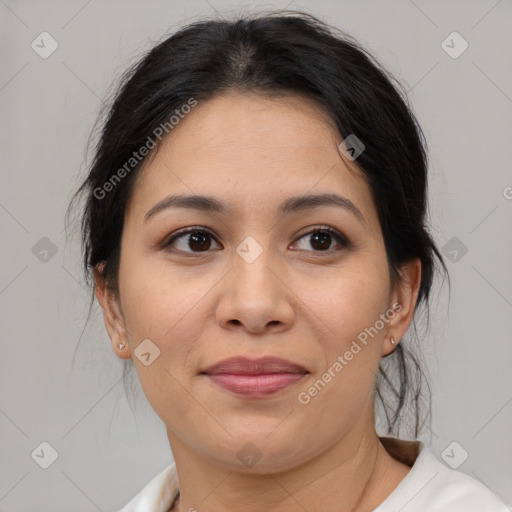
[[254, 296]]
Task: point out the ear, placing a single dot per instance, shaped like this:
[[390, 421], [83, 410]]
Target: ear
[[112, 314], [402, 302]]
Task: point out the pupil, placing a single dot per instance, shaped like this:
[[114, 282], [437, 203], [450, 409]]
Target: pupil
[[322, 237], [199, 239]]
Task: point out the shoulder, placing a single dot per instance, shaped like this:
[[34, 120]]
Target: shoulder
[[157, 495], [429, 485], [432, 486]]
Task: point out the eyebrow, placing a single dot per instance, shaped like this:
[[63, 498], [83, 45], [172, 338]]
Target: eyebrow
[[292, 205]]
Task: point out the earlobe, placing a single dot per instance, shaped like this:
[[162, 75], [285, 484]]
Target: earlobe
[[112, 316], [405, 294]]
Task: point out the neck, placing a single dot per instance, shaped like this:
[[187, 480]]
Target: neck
[[353, 475]]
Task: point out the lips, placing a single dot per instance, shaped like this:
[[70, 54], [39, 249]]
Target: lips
[[255, 377], [247, 366]]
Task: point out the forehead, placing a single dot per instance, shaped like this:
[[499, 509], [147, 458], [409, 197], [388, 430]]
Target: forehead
[[251, 150], [246, 122]]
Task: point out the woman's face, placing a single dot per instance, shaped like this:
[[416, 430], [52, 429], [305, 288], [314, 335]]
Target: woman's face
[[259, 284]]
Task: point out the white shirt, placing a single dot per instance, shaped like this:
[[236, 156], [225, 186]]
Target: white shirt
[[430, 486]]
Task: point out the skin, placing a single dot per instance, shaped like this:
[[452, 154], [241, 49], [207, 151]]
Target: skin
[[295, 301]]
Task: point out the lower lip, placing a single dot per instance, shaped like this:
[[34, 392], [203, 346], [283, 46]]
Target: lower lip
[[256, 385]]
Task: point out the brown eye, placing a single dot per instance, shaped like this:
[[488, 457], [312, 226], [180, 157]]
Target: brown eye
[[192, 241], [320, 239]]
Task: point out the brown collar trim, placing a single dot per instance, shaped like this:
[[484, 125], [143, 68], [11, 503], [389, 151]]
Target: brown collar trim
[[401, 450]]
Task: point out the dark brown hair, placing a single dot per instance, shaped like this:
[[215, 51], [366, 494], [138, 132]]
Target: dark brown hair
[[273, 54]]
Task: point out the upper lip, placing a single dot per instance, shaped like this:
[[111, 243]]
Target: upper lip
[[248, 366]]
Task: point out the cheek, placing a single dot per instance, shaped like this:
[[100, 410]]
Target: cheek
[[169, 307], [164, 307], [349, 302], [351, 336], [350, 348]]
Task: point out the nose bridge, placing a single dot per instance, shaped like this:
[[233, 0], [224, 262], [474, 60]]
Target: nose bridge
[[253, 262]]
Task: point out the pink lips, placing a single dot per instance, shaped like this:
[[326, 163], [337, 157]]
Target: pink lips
[[255, 377]]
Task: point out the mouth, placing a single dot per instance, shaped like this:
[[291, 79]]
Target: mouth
[[255, 377]]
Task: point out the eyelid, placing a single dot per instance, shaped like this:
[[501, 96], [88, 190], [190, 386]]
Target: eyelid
[[339, 237], [186, 231]]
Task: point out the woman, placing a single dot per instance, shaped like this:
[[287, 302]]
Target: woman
[[255, 221]]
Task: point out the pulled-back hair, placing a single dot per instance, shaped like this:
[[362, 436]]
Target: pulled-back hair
[[276, 54]]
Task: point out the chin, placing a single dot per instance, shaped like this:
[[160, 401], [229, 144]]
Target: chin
[[261, 450]]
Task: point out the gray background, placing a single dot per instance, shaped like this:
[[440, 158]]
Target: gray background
[[106, 453]]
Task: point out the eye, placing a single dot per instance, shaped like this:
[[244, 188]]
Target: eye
[[191, 240], [321, 238], [197, 240]]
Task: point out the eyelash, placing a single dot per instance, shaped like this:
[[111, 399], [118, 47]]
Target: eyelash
[[337, 236]]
